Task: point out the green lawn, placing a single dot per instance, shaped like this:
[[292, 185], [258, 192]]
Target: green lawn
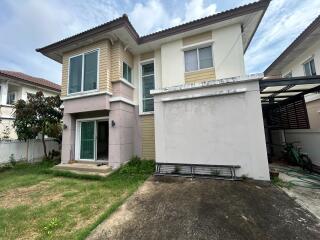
[[36, 203]]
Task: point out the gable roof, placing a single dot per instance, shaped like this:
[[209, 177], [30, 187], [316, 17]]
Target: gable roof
[[30, 79], [289, 52], [124, 22]]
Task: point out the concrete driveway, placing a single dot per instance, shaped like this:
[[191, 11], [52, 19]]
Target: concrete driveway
[[180, 208]]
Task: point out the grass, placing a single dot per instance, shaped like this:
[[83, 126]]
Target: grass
[[280, 183], [38, 203]]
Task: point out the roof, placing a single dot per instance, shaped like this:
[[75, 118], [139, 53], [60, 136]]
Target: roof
[[281, 90], [30, 79], [297, 42], [124, 22]]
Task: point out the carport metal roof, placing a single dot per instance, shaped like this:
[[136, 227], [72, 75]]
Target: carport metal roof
[[283, 101], [285, 90]]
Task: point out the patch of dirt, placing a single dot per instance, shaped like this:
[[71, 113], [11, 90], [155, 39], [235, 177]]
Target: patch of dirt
[[27, 195]]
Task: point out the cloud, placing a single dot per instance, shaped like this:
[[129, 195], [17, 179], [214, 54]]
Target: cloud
[[154, 16], [30, 24], [149, 16], [282, 23]]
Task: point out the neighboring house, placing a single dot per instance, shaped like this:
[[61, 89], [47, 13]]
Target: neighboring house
[[108, 73], [302, 58], [15, 86]]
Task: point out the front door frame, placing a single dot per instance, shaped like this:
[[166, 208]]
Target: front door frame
[[78, 137]]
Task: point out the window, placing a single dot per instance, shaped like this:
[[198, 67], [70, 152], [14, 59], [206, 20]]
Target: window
[[198, 58], [147, 85], [11, 98], [309, 68], [126, 72], [83, 72]]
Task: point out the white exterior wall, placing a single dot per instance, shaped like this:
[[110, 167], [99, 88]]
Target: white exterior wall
[[7, 111], [28, 89], [218, 129], [25, 151], [227, 56], [308, 139], [172, 59], [296, 66], [228, 52]]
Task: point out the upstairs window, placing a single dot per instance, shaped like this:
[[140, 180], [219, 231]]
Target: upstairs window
[[83, 72], [199, 58], [11, 98], [126, 72], [147, 85], [309, 68]]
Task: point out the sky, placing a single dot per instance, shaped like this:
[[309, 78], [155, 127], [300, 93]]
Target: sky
[[30, 24]]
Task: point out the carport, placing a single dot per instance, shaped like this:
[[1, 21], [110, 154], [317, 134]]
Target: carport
[[283, 104]]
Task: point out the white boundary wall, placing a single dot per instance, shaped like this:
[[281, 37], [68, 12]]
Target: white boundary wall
[[30, 151], [215, 123], [309, 140]]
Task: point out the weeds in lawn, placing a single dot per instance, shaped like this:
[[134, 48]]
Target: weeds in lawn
[[50, 226], [81, 206], [138, 166], [280, 183]]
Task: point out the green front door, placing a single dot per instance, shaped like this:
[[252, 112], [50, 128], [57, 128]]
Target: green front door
[[87, 143]]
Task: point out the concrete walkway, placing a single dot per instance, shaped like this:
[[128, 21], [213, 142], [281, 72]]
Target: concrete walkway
[[180, 208], [304, 187]]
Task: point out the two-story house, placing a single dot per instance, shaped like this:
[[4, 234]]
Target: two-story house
[[302, 58], [108, 73], [15, 86]]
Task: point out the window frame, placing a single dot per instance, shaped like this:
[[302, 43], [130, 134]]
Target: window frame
[[82, 72], [141, 63], [8, 97], [128, 66], [197, 47], [308, 62]]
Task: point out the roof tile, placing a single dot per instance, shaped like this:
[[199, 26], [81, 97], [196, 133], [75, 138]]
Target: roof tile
[[34, 80]]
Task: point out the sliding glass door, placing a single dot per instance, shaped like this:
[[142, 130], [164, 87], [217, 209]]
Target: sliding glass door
[[93, 140], [87, 142]]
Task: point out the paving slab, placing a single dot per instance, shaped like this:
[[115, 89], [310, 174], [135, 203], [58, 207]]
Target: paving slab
[[182, 208]]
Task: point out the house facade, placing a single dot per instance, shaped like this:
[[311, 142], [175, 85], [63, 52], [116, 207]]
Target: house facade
[[302, 58], [15, 86], [109, 72]]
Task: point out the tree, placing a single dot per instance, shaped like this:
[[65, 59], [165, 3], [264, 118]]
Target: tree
[[38, 115]]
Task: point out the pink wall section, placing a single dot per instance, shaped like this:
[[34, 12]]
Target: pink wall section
[[87, 104], [120, 89], [124, 137]]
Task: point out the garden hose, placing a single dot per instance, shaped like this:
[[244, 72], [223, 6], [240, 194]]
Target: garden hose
[[306, 180]]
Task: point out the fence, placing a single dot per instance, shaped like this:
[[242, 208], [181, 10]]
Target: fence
[[309, 140], [31, 150]]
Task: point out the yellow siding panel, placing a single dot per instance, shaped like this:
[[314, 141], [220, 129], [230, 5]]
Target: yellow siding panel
[[147, 133], [197, 38], [115, 61], [200, 76], [145, 56], [104, 65]]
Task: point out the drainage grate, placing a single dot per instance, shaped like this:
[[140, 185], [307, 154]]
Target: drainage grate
[[193, 170]]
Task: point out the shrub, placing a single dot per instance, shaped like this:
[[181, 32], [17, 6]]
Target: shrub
[[138, 166]]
